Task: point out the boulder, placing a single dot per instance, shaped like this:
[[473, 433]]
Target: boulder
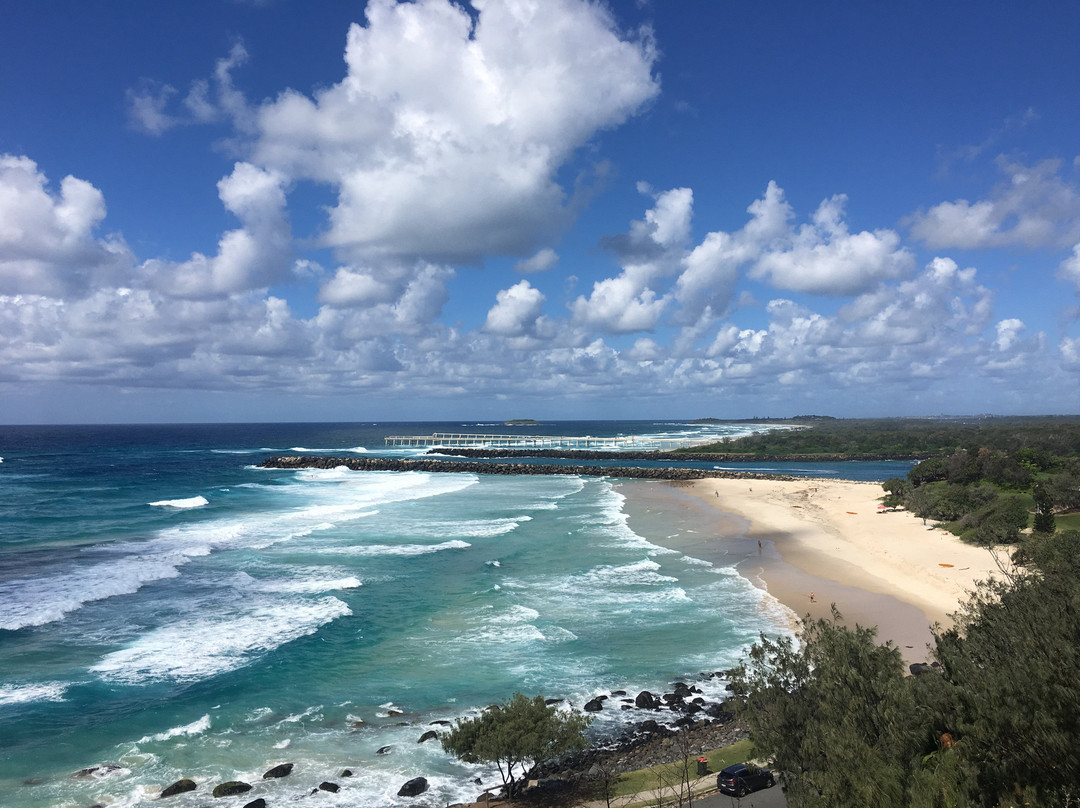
[[179, 787], [259, 803], [919, 668], [385, 750], [99, 772], [230, 788], [333, 788], [347, 773], [281, 770], [647, 701], [594, 705], [413, 788], [427, 736]]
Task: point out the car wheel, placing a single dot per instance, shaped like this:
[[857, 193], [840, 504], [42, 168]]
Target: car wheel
[[772, 781], [740, 791]]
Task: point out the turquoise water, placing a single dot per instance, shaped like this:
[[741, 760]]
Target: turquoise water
[[170, 610]]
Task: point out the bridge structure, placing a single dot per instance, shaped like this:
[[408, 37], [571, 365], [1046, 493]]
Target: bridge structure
[[481, 441]]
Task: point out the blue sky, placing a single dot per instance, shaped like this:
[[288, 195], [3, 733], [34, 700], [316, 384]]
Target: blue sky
[[220, 210]]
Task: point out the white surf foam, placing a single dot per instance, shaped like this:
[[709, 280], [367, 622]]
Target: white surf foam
[[182, 504], [398, 549], [194, 728], [37, 601], [196, 649], [21, 694]]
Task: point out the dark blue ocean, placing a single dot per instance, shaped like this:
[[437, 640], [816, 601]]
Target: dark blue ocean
[[169, 610]]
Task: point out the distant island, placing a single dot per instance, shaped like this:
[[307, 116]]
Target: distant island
[[520, 422]]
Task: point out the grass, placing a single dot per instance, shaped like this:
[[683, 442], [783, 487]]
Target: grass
[[670, 773], [1067, 521]]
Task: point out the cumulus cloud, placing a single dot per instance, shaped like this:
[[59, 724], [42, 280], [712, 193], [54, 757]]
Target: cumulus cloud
[[824, 258], [251, 257], [710, 272], [445, 136], [47, 241], [1033, 208], [516, 310], [1069, 270]]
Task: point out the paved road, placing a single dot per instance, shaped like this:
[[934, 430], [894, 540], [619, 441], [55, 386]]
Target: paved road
[[766, 798]]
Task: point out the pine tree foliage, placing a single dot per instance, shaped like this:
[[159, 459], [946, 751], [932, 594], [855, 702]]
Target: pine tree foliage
[[997, 723]]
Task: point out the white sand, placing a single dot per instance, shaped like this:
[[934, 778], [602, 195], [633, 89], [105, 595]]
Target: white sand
[[831, 539]]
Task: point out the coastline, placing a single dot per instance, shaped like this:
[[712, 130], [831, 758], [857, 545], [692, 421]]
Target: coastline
[[886, 569]]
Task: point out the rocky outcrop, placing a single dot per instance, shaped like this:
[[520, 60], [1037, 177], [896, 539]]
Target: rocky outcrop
[[179, 787], [428, 465], [594, 705], [646, 701], [668, 457], [281, 770], [230, 788], [333, 788], [413, 788], [258, 803], [428, 736]]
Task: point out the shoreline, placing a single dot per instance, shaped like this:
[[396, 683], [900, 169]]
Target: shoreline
[[881, 568], [888, 569]]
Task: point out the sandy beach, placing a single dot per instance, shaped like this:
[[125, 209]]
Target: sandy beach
[[829, 538]]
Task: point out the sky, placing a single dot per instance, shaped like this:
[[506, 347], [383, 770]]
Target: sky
[[277, 210]]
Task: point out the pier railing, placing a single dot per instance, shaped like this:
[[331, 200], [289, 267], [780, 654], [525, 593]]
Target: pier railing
[[479, 441]]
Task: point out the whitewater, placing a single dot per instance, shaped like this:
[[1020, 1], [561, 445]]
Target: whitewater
[[168, 609]]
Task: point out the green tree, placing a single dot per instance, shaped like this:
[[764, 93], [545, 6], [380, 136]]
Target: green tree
[[1011, 666], [898, 492], [836, 713], [521, 732], [1044, 509]]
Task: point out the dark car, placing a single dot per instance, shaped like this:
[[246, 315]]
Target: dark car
[[742, 778]]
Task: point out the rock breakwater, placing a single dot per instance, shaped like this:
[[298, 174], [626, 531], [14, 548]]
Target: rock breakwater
[[445, 466], [668, 457]]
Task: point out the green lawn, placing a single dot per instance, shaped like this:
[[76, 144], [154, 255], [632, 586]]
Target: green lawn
[[670, 773]]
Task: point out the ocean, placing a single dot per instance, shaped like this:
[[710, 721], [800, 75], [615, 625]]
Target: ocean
[[168, 609]]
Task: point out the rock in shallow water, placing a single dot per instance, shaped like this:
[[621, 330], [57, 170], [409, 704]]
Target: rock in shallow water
[[414, 788], [281, 770], [230, 788], [179, 787]]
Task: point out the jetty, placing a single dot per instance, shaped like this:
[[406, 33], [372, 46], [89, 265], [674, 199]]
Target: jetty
[[451, 440]]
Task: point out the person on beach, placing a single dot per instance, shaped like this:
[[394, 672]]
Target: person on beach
[[811, 597]]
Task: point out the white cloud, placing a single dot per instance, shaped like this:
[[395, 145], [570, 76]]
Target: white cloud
[[542, 261], [516, 310], [251, 257], [1033, 208], [444, 137], [1069, 270], [620, 305], [206, 101], [47, 243], [710, 272], [1008, 332], [824, 258]]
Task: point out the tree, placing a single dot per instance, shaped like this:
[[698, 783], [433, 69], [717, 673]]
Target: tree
[[836, 713], [521, 732], [1044, 509], [898, 492], [994, 724]]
